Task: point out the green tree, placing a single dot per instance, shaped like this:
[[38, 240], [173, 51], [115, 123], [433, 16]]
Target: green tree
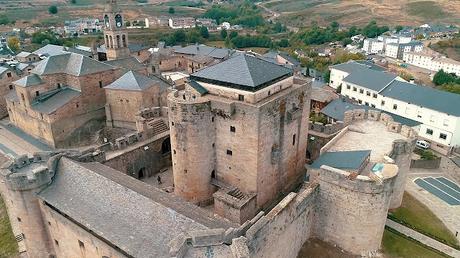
[[13, 43], [53, 9], [204, 32], [399, 28], [223, 33], [73, 1], [283, 43], [171, 10], [441, 78], [233, 34]]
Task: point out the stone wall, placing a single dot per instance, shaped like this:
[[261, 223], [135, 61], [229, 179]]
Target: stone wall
[[140, 159], [351, 210], [426, 164], [6, 86], [71, 240], [280, 233]]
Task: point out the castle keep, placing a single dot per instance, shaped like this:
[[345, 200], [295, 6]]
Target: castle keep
[[238, 128]]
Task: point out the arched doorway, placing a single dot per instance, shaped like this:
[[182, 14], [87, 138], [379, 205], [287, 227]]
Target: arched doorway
[[166, 146], [141, 173]]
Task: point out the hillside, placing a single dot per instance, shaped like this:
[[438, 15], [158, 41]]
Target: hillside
[[300, 13]]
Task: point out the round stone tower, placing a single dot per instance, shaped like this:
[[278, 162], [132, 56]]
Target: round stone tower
[[401, 154], [192, 133], [23, 179]]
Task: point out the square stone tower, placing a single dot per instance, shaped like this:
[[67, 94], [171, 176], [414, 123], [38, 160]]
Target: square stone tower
[[240, 128]]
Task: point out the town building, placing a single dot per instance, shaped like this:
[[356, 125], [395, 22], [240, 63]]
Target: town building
[[234, 120], [432, 61], [397, 50], [27, 57], [131, 93], [82, 26], [436, 110], [282, 58], [62, 94], [373, 46], [7, 76], [182, 22]]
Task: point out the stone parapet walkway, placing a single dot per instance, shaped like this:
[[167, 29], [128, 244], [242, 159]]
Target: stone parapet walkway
[[423, 239]]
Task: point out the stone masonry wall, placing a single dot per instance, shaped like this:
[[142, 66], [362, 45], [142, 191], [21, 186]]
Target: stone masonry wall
[[351, 210]]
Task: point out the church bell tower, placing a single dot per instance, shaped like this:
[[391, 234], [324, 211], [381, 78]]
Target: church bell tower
[[115, 34]]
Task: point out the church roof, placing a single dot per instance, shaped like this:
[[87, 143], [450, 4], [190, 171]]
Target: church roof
[[243, 72], [70, 63], [29, 80], [129, 64], [133, 81], [143, 219]]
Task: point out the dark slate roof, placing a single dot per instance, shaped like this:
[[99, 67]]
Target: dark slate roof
[[370, 79], [129, 64], [336, 109], [137, 47], [70, 63], [204, 50], [342, 159], [290, 58], [143, 219], [50, 102], [50, 50], [424, 96], [198, 87], [357, 66], [243, 72], [133, 81], [29, 80]]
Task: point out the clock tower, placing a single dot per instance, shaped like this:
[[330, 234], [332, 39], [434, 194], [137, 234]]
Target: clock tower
[[115, 34]]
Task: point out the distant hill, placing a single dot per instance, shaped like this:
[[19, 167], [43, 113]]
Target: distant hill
[[300, 13]]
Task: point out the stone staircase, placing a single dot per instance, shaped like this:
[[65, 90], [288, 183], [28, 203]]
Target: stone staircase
[[158, 126], [237, 194]]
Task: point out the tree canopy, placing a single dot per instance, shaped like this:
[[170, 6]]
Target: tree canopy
[[53, 9]]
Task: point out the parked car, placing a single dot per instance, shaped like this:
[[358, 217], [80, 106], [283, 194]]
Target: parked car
[[422, 144]]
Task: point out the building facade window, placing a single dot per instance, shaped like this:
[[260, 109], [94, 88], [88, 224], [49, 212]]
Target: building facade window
[[368, 93], [395, 106], [429, 131], [240, 97], [348, 87], [361, 91], [443, 136], [355, 89], [382, 103], [374, 95], [229, 152], [232, 129]]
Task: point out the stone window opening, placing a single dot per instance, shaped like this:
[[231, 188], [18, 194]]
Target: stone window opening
[[172, 123], [10, 87], [8, 75], [213, 174], [240, 97], [58, 85], [22, 97], [100, 84], [293, 139], [229, 152], [185, 171], [81, 244], [232, 129], [76, 105], [56, 242], [174, 151], [212, 119], [19, 219], [37, 93], [269, 93]]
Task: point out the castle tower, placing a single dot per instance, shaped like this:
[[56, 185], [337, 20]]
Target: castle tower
[[115, 34], [22, 180], [401, 154], [192, 135]]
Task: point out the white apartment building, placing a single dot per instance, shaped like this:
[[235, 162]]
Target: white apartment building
[[373, 46], [432, 61], [397, 50], [437, 111]]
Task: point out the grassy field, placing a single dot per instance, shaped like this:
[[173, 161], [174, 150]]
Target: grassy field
[[426, 9], [301, 13], [419, 217], [396, 246], [8, 245]]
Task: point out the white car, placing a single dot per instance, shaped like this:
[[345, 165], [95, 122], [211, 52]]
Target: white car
[[422, 144]]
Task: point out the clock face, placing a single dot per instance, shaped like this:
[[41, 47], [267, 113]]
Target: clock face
[[118, 24], [107, 24]]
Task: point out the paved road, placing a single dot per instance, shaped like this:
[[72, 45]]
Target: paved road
[[423, 239]]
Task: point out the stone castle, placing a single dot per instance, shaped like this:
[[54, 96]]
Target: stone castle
[[236, 137]]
